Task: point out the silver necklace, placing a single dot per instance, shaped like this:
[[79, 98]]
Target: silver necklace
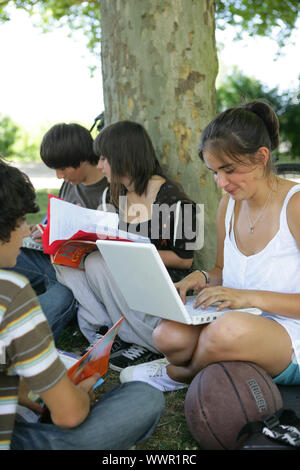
[[252, 224]]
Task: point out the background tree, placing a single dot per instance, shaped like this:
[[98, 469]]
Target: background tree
[[263, 18], [159, 67], [9, 132], [237, 87], [165, 80]]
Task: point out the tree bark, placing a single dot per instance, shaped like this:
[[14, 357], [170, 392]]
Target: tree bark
[[159, 65]]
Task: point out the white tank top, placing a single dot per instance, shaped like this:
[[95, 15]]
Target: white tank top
[[275, 268]]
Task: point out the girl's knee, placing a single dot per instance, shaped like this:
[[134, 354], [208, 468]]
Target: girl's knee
[[223, 336], [170, 337], [161, 336]]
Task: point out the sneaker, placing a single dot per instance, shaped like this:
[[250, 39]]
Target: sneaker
[[118, 345], [100, 332], [132, 356], [154, 373]]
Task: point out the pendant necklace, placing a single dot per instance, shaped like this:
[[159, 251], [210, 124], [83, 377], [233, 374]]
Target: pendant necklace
[[252, 224]]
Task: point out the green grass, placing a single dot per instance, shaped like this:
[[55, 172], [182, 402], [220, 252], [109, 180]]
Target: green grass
[[172, 432], [42, 197]]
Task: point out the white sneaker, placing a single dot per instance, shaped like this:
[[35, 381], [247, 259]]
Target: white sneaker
[[154, 373]]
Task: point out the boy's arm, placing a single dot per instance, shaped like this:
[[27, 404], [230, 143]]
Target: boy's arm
[[29, 338], [69, 404]]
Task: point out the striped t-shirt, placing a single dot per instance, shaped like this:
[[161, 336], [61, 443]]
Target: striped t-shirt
[[26, 348]]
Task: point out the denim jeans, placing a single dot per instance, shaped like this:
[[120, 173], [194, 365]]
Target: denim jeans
[[57, 301], [123, 417]]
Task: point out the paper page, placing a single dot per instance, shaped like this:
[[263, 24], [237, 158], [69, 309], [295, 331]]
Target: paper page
[[67, 219]]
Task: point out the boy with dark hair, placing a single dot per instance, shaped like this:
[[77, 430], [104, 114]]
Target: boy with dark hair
[[67, 148], [120, 419]]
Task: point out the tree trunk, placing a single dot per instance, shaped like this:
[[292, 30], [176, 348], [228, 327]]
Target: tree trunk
[[159, 66]]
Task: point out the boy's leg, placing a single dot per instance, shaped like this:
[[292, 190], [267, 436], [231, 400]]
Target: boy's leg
[[123, 417], [57, 301], [36, 266], [59, 307], [91, 313]]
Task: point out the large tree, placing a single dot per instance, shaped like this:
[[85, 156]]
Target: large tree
[[159, 66]]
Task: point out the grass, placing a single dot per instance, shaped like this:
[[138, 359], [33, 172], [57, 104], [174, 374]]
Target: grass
[[42, 200], [172, 432]]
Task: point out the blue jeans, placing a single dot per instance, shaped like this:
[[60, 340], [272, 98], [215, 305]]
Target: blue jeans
[[123, 417], [57, 301]]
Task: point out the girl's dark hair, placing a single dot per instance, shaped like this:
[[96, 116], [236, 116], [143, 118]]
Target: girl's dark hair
[[129, 150], [241, 131], [17, 198], [67, 145]]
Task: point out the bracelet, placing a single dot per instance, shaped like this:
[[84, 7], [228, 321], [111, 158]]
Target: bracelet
[[205, 274]]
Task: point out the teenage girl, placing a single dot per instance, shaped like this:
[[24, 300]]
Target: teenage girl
[[258, 261]]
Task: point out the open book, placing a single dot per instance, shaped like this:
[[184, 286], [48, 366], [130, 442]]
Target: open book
[[96, 359], [72, 231]]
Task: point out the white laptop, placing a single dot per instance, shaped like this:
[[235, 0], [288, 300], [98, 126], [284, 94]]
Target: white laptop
[[147, 286]]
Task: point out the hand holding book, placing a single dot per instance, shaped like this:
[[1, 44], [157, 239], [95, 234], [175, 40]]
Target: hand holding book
[[72, 231]]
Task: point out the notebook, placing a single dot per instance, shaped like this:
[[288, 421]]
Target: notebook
[[147, 286]]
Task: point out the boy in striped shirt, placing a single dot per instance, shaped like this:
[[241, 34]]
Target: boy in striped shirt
[[29, 360]]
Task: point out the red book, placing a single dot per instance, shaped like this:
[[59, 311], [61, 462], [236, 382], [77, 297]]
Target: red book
[[96, 359], [72, 231]]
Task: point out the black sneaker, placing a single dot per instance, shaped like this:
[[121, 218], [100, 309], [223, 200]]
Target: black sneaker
[[100, 332], [132, 356], [118, 347]]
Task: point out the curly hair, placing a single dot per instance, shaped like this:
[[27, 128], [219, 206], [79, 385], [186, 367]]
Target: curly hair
[[17, 198]]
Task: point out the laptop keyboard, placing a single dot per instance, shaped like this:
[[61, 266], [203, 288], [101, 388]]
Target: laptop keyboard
[[210, 313], [200, 315]]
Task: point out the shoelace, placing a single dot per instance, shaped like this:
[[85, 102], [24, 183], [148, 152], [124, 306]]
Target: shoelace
[[97, 337], [134, 352], [156, 368]]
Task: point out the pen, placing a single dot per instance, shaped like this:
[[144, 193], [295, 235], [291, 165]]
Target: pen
[[99, 382], [39, 227]]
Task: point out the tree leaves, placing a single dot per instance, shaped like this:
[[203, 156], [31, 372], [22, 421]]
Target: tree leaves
[[257, 17]]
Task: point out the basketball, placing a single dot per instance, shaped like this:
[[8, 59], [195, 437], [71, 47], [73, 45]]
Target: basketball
[[225, 396]]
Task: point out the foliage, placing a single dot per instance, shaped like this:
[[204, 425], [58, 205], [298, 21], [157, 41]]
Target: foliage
[[8, 134], [16, 142], [290, 125], [83, 15], [42, 199], [237, 88], [257, 17]]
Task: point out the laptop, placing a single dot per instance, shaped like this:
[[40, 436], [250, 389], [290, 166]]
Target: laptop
[[147, 286]]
